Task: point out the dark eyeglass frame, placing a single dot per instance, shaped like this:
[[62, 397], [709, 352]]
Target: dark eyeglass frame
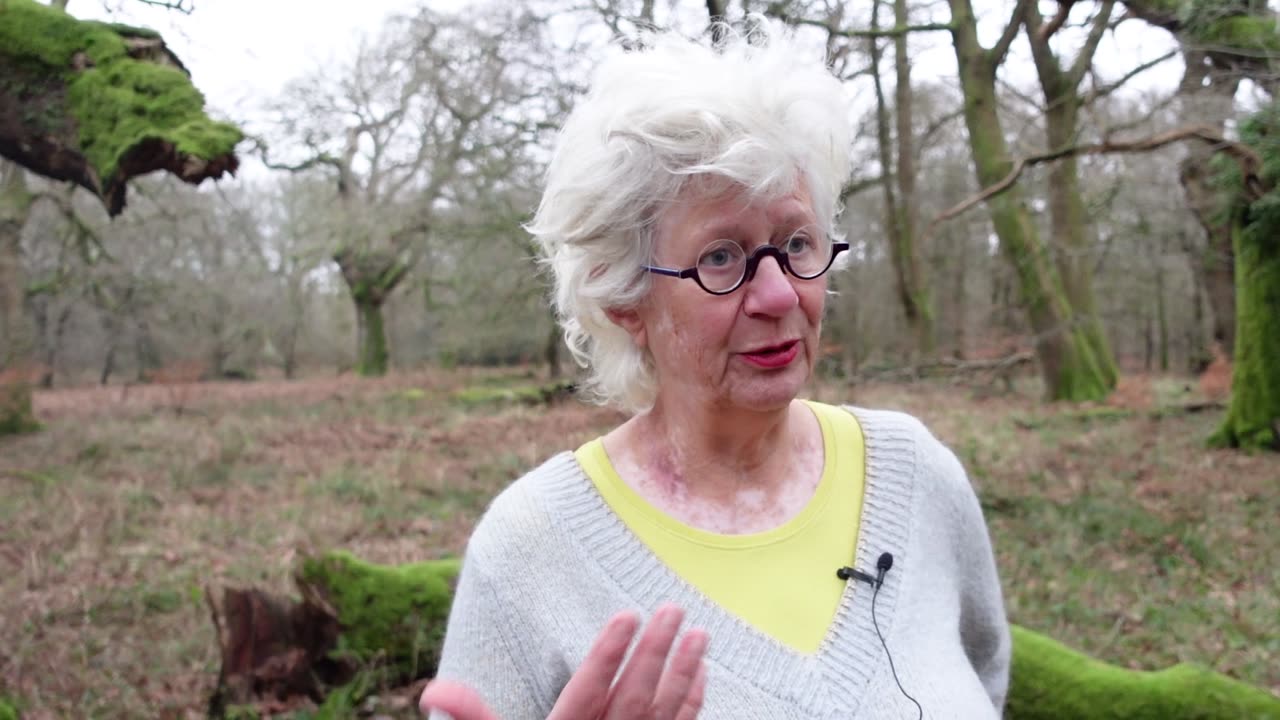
[[753, 262]]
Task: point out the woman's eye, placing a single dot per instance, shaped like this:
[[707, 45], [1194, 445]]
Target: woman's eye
[[717, 258], [798, 244]]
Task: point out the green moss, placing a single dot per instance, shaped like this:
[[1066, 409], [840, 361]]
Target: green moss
[[8, 710], [1242, 32], [116, 101], [390, 616], [16, 414], [374, 357], [1253, 418], [1050, 681], [523, 394]]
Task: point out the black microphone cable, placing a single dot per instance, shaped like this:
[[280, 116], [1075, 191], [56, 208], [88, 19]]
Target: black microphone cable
[[883, 565], [875, 594]]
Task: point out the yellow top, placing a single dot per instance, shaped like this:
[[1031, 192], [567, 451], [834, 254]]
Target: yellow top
[[781, 581]]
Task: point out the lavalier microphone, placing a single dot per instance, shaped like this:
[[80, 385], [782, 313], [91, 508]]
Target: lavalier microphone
[[883, 564]]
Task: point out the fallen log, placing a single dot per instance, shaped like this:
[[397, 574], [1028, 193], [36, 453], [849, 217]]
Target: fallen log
[[1050, 681], [359, 627], [356, 624]]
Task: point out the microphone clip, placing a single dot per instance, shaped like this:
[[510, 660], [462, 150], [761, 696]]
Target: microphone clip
[[883, 564], [848, 573]]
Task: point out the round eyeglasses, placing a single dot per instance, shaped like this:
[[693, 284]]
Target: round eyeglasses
[[723, 266]]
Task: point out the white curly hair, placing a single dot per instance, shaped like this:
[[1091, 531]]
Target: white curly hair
[[758, 109]]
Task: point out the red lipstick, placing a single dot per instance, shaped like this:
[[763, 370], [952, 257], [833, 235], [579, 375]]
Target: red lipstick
[[774, 356]]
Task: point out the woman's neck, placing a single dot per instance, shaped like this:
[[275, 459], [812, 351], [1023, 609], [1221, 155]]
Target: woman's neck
[[722, 471]]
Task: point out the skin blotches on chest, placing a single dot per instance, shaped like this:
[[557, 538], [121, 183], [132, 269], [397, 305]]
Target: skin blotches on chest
[[717, 495]]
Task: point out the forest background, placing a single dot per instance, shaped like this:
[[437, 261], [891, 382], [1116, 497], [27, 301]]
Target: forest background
[[1064, 227]]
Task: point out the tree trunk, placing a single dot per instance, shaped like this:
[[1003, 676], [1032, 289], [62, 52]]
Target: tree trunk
[[1214, 265], [552, 351], [50, 366], [1162, 315], [1198, 354], [1072, 235], [1206, 95], [108, 363], [370, 276], [1253, 418], [371, 353], [899, 187], [17, 336], [1068, 359], [915, 286]]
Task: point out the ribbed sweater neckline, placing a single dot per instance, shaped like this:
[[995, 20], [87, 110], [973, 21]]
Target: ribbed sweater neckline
[[849, 655]]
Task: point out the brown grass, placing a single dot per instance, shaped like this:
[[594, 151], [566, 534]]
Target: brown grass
[[1115, 530]]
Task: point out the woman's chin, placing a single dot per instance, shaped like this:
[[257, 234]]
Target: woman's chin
[[768, 393]]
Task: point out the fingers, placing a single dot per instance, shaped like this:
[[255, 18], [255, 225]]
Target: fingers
[[459, 701], [693, 700], [678, 682], [634, 694], [587, 692]]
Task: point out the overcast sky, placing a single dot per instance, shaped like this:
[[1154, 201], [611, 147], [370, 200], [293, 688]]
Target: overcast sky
[[242, 52]]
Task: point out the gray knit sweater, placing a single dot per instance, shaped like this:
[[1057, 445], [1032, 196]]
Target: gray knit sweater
[[549, 563]]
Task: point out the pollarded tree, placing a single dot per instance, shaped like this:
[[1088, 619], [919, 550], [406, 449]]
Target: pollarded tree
[[95, 104], [415, 115]]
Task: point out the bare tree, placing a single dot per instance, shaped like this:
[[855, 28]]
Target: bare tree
[[417, 113]]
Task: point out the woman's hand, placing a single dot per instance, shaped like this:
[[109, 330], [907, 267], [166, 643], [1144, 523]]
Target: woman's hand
[[649, 688]]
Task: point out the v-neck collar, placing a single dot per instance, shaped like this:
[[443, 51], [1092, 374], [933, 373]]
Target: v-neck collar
[[849, 656]]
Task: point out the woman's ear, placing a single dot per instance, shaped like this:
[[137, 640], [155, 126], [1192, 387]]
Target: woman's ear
[[629, 319]]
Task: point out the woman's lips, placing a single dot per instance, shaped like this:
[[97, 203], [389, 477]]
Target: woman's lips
[[776, 356]]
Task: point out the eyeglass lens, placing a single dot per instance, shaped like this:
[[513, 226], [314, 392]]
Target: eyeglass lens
[[722, 264]]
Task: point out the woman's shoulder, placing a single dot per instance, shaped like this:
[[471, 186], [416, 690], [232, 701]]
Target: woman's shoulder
[[891, 426], [522, 519], [900, 433]]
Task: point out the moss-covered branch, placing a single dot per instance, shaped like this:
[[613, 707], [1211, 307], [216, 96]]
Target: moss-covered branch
[[97, 104], [1050, 681]]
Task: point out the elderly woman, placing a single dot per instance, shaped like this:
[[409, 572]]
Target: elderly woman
[[832, 562]]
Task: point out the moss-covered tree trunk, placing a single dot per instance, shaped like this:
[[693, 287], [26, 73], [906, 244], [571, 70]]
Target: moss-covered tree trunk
[[371, 351], [1069, 361], [17, 336], [370, 276], [1253, 418], [1073, 239], [1072, 234]]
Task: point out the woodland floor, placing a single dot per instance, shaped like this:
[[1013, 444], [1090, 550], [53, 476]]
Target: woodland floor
[[1116, 530]]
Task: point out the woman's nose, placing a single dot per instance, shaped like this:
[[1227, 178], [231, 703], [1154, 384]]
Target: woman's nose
[[770, 291]]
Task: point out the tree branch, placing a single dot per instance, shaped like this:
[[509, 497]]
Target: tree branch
[[1112, 87], [1047, 31], [853, 187], [1001, 48], [1085, 59], [259, 146], [862, 34], [1249, 161], [182, 6]]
